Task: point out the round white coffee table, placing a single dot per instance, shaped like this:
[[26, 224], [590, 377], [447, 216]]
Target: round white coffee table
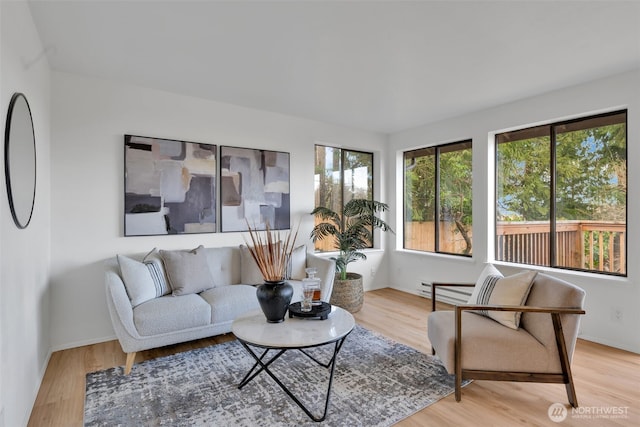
[[253, 331]]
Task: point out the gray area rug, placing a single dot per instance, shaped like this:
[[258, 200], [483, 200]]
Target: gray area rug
[[377, 382]]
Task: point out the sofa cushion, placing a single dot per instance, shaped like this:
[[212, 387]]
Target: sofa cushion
[[170, 314], [249, 272], [229, 302], [223, 265], [498, 290], [188, 271], [486, 345], [137, 279]]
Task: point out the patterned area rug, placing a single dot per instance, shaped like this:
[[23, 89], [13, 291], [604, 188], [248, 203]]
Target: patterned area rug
[[377, 382]]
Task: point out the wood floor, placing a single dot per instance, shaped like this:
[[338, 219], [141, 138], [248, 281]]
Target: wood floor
[[606, 379]]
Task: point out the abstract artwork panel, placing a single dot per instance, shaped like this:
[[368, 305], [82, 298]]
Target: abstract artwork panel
[[170, 186], [254, 187]]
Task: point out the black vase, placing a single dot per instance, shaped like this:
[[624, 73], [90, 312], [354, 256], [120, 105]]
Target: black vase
[[274, 298]]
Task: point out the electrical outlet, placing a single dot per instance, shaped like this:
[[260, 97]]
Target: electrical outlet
[[373, 272], [616, 314]]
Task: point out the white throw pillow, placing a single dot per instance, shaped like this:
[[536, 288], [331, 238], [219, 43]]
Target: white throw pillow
[[489, 270], [249, 272], [510, 290], [137, 280], [297, 264]]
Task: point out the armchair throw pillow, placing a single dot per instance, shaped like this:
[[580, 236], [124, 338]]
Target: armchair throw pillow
[[489, 270], [498, 290]]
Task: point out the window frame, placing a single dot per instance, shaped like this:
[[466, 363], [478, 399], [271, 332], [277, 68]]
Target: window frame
[[342, 181], [553, 263], [437, 204]]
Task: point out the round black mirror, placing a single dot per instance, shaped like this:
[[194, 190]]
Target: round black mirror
[[20, 160]]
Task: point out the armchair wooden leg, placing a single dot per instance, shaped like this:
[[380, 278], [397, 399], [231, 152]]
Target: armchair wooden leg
[[571, 393], [131, 357], [458, 388], [564, 360]]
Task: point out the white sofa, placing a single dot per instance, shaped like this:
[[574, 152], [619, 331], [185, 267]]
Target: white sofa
[[145, 318]]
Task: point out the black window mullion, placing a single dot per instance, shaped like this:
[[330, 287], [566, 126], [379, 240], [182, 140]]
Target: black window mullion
[[552, 202], [436, 219], [342, 203], [496, 164]]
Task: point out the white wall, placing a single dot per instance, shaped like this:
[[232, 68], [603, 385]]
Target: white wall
[[89, 119], [24, 254], [604, 294]]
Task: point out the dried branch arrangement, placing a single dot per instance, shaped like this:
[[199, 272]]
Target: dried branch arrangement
[[270, 252]]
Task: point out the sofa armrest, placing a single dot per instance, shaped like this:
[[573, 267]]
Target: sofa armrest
[[326, 272], [436, 285], [119, 306]]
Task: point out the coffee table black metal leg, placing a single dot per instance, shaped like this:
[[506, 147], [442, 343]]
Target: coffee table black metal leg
[[247, 378], [265, 368], [324, 365]]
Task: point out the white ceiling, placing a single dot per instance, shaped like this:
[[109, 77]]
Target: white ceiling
[[383, 66]]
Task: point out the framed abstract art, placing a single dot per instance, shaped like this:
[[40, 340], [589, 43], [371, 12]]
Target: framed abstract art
[[254, 187], [170, 186]]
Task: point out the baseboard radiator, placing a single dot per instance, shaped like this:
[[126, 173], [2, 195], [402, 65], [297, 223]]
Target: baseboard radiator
[[447, 295]]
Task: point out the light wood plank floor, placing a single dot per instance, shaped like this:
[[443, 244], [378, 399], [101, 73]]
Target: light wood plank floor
[[605, 377]]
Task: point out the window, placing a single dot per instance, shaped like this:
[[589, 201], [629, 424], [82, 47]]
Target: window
[[437, 199], [341, 175], [561, 195]]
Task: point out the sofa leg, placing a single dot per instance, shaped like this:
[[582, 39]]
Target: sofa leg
[[131, 357]]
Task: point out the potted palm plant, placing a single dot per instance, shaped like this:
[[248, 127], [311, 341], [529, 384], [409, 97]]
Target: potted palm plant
[[351, 231]]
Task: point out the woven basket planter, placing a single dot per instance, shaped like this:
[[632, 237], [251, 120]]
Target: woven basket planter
[[348, 294]]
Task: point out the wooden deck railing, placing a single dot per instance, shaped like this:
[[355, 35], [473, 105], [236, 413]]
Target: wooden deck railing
[[585, 245], [590, 245]]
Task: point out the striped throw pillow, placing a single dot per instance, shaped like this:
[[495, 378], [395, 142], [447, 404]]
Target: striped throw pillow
[[156, 269], [498, 290]]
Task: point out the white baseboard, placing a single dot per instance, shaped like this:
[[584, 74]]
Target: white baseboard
[[43, 370], [609, 343], [82, 343]]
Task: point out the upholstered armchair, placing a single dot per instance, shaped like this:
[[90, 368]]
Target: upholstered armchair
[[537, 349]]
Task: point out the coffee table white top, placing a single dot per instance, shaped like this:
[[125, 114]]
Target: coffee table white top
[[295, 332]]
